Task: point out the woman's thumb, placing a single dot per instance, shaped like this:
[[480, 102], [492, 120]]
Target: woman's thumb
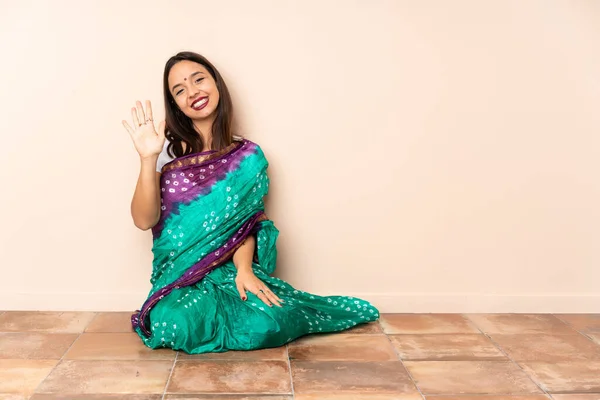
[[161, 129]]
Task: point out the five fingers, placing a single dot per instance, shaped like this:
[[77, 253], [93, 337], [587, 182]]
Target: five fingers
[[139, 118]]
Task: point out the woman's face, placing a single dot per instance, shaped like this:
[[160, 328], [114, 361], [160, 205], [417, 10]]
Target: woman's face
[[193, 89]]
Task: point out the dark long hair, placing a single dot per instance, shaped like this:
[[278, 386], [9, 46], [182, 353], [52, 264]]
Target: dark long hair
[[180, 128]]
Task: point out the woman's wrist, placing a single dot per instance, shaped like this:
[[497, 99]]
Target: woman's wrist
[[152, 158], [244, 268], [242, 258]]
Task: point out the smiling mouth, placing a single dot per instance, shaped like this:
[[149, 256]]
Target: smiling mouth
[[200, 103]]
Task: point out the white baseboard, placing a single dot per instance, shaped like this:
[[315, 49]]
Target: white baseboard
[[385, 302]]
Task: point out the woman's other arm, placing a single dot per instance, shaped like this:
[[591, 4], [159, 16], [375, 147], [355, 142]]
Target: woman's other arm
[[145, 205], [246, 280]]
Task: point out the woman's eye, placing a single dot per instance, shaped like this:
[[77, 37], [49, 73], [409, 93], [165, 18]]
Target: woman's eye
[[199, 80], [179, 92]]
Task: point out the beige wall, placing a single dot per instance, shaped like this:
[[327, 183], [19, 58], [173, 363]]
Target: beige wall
[[428, 156]]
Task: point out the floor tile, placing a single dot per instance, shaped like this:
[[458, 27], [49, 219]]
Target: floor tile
[[49, 322], [586, 323], [97, 377], [370, 328], [342, 347], [520, 323], [595, 337], [539, 347], [470, 377], [582, 376], [115, 346], [445, 353], [277, 353], [426, 323], [491, 397], [348, 396], [52, 396], [338, 377], [446, 347], [41, 346], [111, 322], [23, 376], [225, 397], [223, 376]]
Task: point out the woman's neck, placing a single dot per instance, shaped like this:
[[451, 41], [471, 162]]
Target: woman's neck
[[204, 129]]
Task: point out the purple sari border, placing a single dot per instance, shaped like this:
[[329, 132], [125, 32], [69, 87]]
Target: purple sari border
[[194, 175], [203, 157], [199, 270]]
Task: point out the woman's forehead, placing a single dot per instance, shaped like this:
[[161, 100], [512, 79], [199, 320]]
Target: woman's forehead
[[183, 69]]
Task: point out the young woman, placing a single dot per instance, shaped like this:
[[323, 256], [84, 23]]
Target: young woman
[[201, 192]]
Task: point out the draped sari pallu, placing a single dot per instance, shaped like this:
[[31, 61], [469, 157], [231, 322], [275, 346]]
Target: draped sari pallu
[[211, 202]]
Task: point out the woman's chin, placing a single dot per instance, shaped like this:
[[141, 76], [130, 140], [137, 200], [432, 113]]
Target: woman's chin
[[200, 115]]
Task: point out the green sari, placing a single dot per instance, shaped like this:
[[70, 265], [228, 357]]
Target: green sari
[[211, 202]]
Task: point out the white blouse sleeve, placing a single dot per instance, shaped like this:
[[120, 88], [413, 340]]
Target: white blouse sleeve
[[163, 157]]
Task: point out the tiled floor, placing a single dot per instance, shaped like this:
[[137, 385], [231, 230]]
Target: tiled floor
[[70, 355]]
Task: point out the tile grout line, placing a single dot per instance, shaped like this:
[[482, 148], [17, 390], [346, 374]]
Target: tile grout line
[[287, 353], [576, 330], [58, 363], [64, 354], [402, 362], [170, 375], [506, 355]]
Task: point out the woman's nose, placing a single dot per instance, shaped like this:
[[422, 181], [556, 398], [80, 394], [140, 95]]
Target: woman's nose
[[193, 92]]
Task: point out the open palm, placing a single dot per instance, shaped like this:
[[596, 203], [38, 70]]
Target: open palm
[[147, 141]]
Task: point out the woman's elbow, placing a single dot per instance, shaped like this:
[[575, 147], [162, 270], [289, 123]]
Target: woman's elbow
[[143, 227], [144, 224]]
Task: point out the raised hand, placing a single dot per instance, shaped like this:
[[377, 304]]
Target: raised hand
[[147, 141]]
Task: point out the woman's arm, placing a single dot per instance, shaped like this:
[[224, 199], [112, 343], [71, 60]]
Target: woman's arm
[[246, 280], [145, 205], [242, 258]]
